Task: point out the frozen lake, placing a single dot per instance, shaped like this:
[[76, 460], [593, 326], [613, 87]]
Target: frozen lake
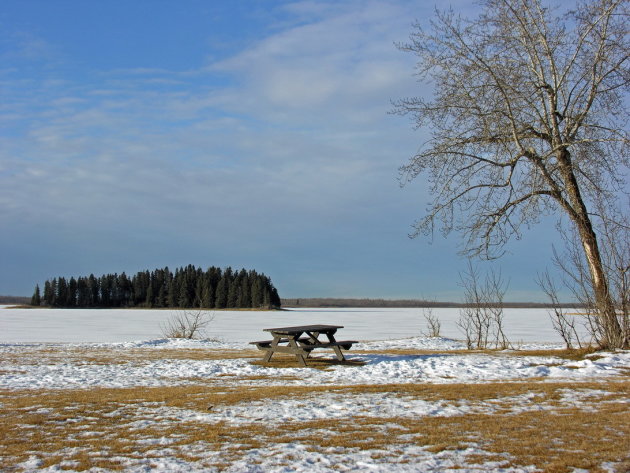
[[123, 325]]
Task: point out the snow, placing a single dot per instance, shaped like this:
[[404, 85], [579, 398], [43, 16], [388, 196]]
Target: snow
[[62, 372], [50, 349], [105, 325]]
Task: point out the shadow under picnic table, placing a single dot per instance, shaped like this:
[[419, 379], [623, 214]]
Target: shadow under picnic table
[[321, 363]]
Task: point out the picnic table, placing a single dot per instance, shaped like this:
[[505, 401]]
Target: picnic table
[[302, 340]]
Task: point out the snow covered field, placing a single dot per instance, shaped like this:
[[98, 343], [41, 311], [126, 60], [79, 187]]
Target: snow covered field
[[103, 325], [176, 405]]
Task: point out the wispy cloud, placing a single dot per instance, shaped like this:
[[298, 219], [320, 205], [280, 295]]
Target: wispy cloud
[[325, 69], [303, 111], [281, 153]]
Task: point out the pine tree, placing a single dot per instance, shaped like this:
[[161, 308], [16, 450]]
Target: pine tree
[[36, 300], [83, 296], [161, 297], [233, 292], [62, 292], [199, 293], [48, 293], [221, 295], [106, 299], [94, 291], [173, 291], [266, 298], [71, 296], [207, 296], [149, 300], [257, 293], [245, 298], [125, 289]]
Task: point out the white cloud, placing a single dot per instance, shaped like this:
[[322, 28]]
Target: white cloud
[[326, 68], [286, 146]]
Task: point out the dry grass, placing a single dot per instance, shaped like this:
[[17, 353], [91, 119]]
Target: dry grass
[[93, 355], [575, 354], [113, 428], [108, 356], [99, 427]]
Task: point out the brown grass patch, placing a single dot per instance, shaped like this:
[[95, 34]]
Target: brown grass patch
[[575, 355], [97, 355], [89, 427], [116, 428], [110, 356]]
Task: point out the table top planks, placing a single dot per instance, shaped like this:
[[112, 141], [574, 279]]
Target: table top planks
[[303, 328]]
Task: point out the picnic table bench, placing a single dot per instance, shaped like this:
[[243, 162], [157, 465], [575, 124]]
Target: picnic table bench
[[302, 340]]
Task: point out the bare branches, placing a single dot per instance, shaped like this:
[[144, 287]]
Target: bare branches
[[563, 323], [433, 323], [481, 320], [529, 119], [512, 96], [187, 324]]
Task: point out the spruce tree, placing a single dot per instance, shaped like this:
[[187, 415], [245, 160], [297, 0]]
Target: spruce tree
[[125, 289], [257, 293], [199, 293], [207, 296], [233, 292], [245, 298], [106, 299], [48, 293], [221, 296], [94, 291], [62, 292], [161, 297], [71, 296], [83, 297], [36, 300], [149, 300], [173, 292], [275, 298]]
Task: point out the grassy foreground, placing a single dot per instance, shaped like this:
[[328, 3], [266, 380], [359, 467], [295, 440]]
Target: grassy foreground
[[113, 428]]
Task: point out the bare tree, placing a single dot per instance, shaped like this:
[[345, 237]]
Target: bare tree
[[474, 320], [187, 324], [527, 120], [434, 326], [481, 318]]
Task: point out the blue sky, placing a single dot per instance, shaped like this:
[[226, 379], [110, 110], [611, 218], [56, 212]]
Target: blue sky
[[255, 134]]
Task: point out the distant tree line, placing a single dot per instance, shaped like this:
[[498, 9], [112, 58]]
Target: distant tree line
[[404, 303], [188, 287], [13, 300]]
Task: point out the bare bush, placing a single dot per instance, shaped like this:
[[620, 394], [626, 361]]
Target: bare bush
[[563, 323], [481, 320], [187, 324], [433, 323]]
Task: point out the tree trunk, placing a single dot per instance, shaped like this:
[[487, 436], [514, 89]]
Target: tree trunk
[[613, 336], [606, 311]]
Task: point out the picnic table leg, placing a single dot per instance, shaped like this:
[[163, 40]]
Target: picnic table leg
[[300, 358], [270, 351], [336, 348], [339, 353], [313, 336]]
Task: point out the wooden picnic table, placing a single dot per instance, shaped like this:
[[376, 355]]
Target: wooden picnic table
[[301, 340]]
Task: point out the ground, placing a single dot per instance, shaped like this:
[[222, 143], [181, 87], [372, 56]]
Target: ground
[[398, 406]]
